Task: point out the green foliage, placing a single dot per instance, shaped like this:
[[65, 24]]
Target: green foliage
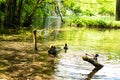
[[88, 13], [91, 7], [2, 0], [72, 6], [79, 22], [95, 22], [46, 8], [103, 10]]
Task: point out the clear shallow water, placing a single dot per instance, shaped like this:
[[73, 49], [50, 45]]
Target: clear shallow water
[[71, 67], [106, 43]]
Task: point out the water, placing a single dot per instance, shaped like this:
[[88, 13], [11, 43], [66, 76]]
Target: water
[[92, 40], [70, 65]]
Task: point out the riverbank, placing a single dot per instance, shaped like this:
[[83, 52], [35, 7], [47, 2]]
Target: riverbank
[[18, 61]]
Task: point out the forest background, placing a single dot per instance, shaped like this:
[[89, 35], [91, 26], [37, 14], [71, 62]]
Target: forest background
[[16, 14]]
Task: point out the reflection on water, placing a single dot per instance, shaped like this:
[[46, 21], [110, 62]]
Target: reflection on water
[[70, 65], [102, 41]]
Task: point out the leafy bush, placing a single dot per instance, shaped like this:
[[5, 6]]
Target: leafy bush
[[94, 22], [79, 22]]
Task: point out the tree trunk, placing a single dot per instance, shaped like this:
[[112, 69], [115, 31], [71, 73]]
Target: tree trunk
[[60, 13], [118, 10], [19, 12], [2, 9], [10, 13], [13, 13]]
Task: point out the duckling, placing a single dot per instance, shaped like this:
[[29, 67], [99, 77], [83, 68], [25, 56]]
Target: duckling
[[52, 51], [95, 57], [66, 47]]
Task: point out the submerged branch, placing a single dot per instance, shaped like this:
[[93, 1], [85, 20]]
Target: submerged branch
[[97, 65]]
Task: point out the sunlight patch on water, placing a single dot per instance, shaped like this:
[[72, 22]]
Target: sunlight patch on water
[[110, 70]]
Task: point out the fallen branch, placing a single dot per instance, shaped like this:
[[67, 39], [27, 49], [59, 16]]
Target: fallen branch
[[97, 65]]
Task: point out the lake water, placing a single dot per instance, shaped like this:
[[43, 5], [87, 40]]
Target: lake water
[[70, 66], [106, 43]]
